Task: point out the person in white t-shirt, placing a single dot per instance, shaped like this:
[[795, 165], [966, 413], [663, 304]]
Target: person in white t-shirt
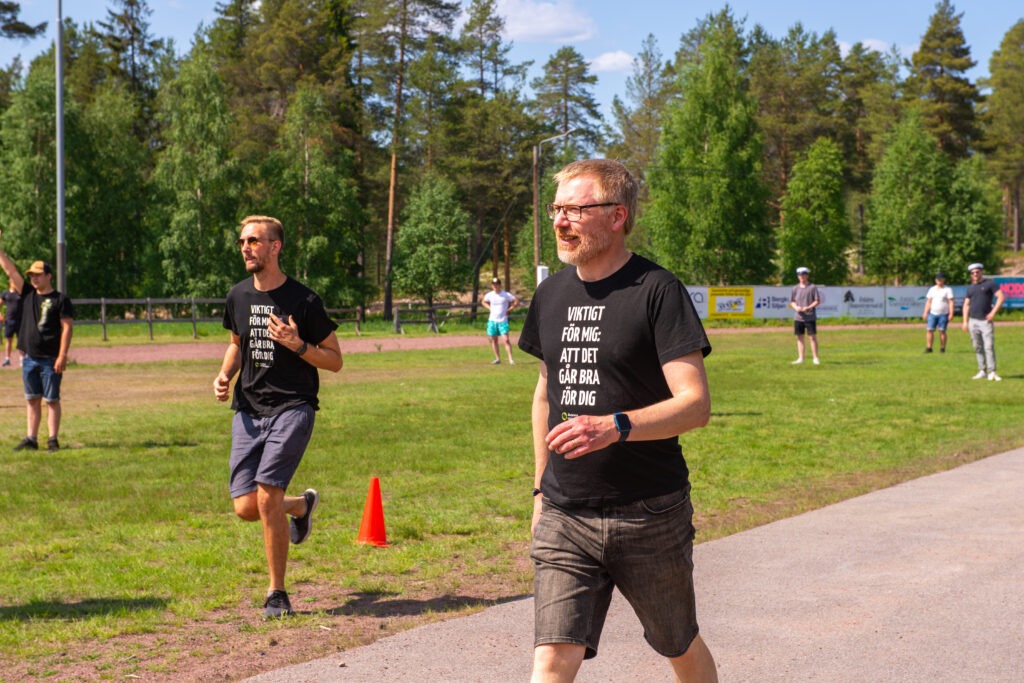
[[938, 311], [499, 303]]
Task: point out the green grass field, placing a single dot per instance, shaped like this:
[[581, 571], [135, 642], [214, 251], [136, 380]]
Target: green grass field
[[129, 529]]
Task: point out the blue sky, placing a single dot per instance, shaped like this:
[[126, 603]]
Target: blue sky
[[608, 33]]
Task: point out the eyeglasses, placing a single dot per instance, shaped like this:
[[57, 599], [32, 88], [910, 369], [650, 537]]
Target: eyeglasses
[[242, 241], [573, 213]]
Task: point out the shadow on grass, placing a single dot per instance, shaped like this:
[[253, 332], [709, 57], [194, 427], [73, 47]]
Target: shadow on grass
[[737, 413], [170, 443], [96, 607], [378, 605]]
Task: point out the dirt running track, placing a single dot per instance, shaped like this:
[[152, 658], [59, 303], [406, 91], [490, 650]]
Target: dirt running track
[[147, 353]]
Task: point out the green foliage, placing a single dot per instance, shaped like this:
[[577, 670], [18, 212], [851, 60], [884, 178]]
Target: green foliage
[[28, 171], [927, 214], [634, 140], [707, 218], [796, 83], [1004, 125], [869, 108], [908, 206], [314, 196], [938, 84], [431, 243], [105, 245], [815, 231], [195, 184]]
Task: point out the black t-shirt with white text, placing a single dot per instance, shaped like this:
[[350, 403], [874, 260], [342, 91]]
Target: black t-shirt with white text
[[603, 344], [273, 378]]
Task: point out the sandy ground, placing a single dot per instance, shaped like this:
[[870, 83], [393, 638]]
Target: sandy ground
[[144, 353]]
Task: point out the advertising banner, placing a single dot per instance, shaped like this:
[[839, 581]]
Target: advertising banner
[[904, 302], [1013, 290], [730, 302], [772, 302], [699, 297]]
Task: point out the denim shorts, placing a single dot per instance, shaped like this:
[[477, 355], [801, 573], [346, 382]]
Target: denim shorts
[[645, 549], [937, 320], [268, 450], [40, 379], [496, 329]]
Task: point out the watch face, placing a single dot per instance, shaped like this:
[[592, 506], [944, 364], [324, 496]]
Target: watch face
[[622, 422]]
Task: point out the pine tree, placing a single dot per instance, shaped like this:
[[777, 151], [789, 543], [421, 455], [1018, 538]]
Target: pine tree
[[314, 196], [638, 118], [796, 83], [1004, 126], [564, 96], [12, 27], [939, 87]]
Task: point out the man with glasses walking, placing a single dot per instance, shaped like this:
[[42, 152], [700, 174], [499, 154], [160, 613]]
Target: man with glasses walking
[[621, 376]]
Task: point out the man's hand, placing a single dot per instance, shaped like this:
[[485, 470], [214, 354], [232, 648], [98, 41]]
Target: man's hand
[[222, 387], [60, 365], [285, 333], [581, 435]]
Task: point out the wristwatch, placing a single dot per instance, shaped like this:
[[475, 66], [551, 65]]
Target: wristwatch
[[622, 424], [302, 349]]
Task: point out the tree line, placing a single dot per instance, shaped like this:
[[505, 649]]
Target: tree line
[[398, 150]]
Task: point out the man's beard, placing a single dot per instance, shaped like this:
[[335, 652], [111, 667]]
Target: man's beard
[[588, 246]]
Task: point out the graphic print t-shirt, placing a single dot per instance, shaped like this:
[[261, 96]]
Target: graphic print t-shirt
[[603, 344], [40, 329], [273, 378]]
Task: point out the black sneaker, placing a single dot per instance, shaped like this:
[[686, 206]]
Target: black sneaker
[[300, 527], [927, 350], [28, 443], [52, 445], [277, 605]]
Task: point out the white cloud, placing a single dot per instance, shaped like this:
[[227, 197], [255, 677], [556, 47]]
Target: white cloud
[[559, 21], [878, 46], [612, 62]]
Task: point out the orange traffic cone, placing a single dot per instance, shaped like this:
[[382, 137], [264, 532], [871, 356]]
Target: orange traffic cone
[[372, 529]]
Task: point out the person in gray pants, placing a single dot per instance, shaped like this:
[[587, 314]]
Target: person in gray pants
[[982, 303]]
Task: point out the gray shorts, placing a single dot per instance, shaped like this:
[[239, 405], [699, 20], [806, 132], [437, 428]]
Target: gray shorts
[[268, 450], [644, 548]]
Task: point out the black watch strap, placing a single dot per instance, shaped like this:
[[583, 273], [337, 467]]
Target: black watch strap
[[302, 349], [622, 424]]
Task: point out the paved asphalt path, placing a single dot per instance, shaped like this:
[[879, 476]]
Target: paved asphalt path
[[923, 581]]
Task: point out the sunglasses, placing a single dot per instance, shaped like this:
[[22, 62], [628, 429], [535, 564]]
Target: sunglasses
[[242, 241]]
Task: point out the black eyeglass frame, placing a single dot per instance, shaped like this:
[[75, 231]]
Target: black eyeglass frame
[[553, 209]]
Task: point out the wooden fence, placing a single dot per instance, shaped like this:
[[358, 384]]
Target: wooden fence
[[190, 311]]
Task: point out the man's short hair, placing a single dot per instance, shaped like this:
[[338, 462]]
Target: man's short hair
[[614, 183], [276, 229]]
